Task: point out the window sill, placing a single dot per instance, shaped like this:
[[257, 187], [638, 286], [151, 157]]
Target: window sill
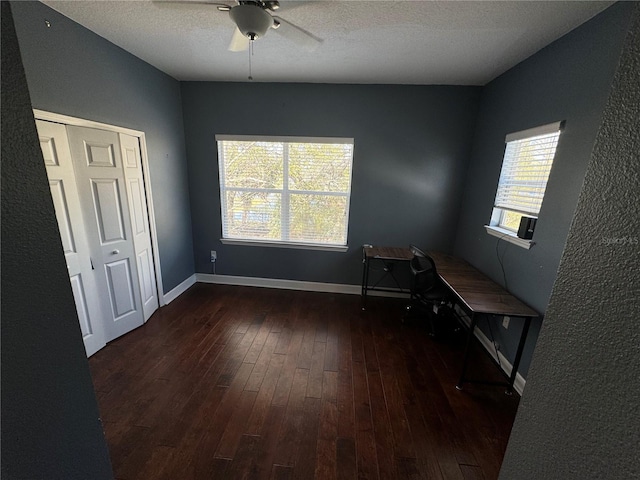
[[299, 246], [509, 236]]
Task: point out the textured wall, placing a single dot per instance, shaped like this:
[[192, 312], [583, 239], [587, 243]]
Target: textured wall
[[411, 151], [73, 71], [580, 415], [50, 425], [567, 80]]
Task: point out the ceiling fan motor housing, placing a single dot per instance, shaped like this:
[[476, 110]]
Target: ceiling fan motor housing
[[251, 20]]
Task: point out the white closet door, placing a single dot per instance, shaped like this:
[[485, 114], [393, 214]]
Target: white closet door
[[57, 159], [101, 185], [139, 223]]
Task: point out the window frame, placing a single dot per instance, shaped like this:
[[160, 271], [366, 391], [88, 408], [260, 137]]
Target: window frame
[[285, 193], [496, 226]]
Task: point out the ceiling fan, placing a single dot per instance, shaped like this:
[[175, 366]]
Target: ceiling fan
[[254, 18]]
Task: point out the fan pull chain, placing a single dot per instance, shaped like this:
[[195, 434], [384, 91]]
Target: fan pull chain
[[250, 55]]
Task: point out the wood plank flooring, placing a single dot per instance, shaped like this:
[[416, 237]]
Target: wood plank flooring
[[238, 382]]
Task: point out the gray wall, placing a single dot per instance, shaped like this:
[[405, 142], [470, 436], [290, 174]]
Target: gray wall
[[411, 151], [72, 71], [579, 417], [568, 80], [50, 424]]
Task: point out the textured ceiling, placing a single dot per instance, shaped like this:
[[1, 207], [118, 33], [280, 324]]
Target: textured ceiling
[[388, 42]]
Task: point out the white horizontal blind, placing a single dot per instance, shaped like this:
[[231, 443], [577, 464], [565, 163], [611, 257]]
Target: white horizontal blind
[[285, 189], [525, 171]]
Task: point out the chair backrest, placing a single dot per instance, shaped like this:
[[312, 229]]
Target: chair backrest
[[423, 270]]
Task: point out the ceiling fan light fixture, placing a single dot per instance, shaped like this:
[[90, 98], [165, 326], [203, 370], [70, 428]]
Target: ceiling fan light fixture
[[252, 21]]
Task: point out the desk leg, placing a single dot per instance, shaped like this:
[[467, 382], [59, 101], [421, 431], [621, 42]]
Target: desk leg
[[365, 281], [516, 361], [467, 351]]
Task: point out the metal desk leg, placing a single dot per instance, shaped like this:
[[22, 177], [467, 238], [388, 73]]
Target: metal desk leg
[[365, 281], [467, 350], [516, 361]]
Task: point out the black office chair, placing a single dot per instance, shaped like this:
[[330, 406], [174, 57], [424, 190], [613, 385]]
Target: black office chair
[[427, 289]]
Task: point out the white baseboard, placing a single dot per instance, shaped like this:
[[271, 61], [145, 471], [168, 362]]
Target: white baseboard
[[293, 285], [278, 283], [182, 287], [520, 382]]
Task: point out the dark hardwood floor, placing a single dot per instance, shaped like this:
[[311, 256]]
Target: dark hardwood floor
[[238, 382]]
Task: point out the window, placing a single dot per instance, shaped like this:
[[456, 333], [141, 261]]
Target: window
[[525, 170], [285, 190]]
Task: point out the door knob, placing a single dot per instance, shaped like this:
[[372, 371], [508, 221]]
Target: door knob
[[115, 252]]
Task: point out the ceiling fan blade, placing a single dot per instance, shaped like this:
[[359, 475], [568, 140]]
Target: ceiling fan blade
[[193, 2], [297, 35], [239, 42]]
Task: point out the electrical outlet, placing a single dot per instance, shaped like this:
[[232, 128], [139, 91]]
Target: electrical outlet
[[505, 322], [214, 256]]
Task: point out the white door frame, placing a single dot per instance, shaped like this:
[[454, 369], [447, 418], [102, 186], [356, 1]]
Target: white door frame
[[81, 122]]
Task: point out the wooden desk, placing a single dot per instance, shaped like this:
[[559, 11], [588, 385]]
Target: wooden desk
[[386, 255], [480, 295]]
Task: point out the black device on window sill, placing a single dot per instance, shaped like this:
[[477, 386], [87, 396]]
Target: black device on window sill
[[527, 225]]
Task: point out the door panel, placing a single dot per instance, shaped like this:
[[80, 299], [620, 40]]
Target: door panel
[[99, 154], [62, 214], [108, 210], [81, 305], [121, 290], [101, 183], [62, 182], [139, 227], [140, 223], [47, 144], [145, 271]]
